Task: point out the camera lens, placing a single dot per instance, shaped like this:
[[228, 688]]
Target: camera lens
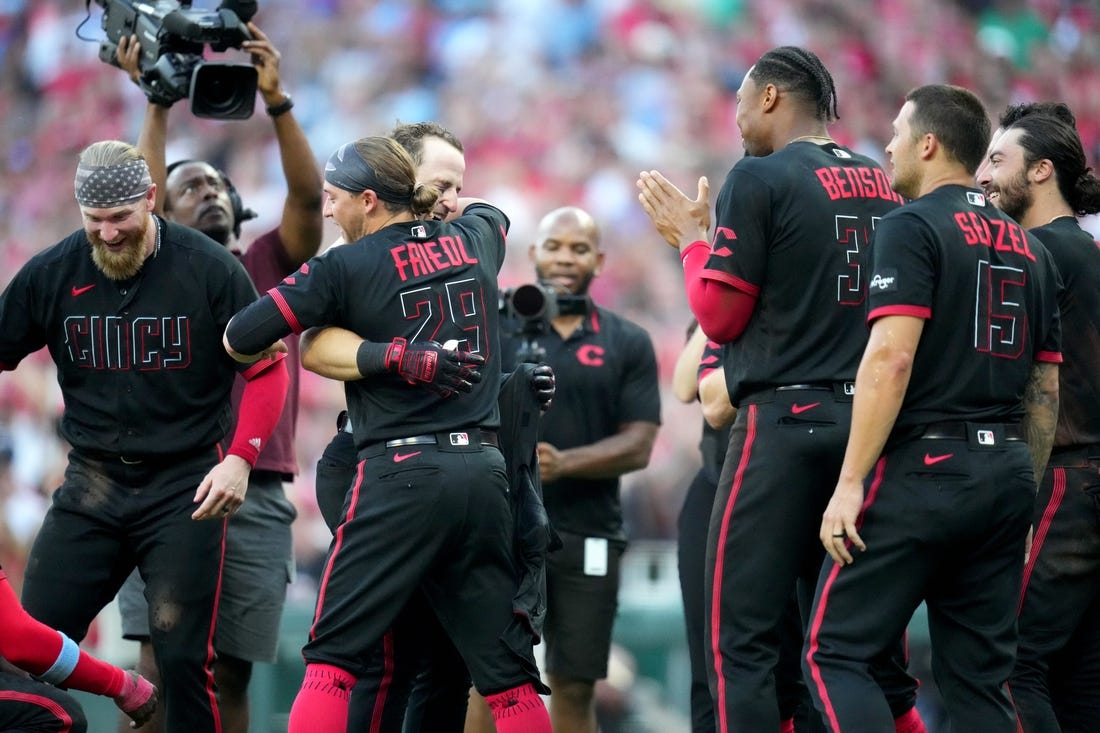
[[223, 91]]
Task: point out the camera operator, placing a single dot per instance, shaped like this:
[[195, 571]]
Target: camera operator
[[259, 560], [602, 425]]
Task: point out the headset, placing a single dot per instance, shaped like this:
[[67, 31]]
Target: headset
[[240, 213]]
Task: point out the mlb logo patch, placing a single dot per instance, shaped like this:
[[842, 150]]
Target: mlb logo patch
[[419, 231], [849, 388], [985, 437], [975, 198], [460, 439]]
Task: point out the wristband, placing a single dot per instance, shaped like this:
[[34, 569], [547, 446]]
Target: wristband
[[282, 107], [371, 358]]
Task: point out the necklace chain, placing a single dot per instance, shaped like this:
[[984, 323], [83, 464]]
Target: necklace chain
[[821, 138]]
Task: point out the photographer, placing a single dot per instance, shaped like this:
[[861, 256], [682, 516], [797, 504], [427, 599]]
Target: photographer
[[602, 425], [259, 558]]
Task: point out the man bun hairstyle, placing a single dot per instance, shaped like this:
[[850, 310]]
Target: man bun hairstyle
[[1047, 137], [801, 73]]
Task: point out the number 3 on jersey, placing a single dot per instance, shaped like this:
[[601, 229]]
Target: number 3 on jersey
[[449, 311], [853, 233]]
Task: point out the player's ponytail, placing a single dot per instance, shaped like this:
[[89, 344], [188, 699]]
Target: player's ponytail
[[1047, 137]]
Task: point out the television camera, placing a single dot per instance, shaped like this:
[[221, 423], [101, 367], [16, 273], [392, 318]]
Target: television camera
[[529, 309], [172, 37]]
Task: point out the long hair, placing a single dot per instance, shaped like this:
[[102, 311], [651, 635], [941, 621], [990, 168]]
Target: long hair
[[1049, 138]]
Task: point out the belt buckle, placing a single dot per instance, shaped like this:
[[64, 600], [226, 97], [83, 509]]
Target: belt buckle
[[459, 438]]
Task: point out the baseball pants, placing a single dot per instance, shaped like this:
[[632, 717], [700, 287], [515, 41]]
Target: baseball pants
[[944, 521], [1056, 683], [435, 518], [109, 516]]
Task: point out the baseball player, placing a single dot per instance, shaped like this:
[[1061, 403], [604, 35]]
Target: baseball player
[[416, 680], [959, 379], [429, 511], [783, 285], [1036, 173], [33, 703], [259, 559], [132, 309], [698, 376]]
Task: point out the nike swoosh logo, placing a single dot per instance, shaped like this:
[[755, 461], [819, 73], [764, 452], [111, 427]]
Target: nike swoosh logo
[[933, 460], [80, 291], [799, 409], [398, 457]]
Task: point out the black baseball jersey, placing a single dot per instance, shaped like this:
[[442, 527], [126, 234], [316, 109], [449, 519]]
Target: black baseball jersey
[[421, 280], [1077, 258], [140, 362], [807, 326], [606, 375], [951, 257], [713, 443]]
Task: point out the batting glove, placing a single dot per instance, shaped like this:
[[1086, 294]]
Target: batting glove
[[138, 699], [543, 385], [424, 363]]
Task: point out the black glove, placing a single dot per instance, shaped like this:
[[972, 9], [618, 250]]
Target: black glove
[[543, 385], [426, 363]]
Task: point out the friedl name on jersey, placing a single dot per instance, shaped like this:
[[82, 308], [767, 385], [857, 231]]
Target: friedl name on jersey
[[1001, 235], [143, 343], [856, 182], [416, 259]]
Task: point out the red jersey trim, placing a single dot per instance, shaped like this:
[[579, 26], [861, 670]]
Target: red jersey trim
[[916, 311], [284, 308], [728, 279], [1051, 357], [262, 365]]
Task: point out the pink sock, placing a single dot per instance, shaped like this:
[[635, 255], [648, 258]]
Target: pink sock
[[322, 702], [519, 710], [786, 726], [910, 722]]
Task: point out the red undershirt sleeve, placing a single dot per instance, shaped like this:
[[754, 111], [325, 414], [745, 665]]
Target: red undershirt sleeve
[[722, 310], [261, 405], [48, 654]]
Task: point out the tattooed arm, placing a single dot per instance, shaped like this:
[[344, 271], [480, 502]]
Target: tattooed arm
[[1041, 408]]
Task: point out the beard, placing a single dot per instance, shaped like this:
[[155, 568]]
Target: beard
[[126, 262], [1015, 198]]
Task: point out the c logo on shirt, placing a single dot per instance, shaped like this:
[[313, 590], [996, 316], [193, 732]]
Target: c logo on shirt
[[590, 355]]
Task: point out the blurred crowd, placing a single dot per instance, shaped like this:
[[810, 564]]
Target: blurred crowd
[[557, 101]]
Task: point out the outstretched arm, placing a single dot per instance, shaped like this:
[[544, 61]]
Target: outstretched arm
[[154, 128], [301, 224], [55, 658]]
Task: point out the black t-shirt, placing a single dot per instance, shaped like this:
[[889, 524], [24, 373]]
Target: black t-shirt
[[988, 292], [1077, 257], [421, 280], [140, 362], [793, 228], [606, 375]]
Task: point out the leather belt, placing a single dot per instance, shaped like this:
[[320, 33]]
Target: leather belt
[[962, 430], [472, 436]]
